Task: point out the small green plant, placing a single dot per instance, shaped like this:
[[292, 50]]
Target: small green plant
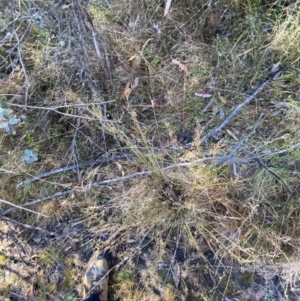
[[69, 278], [125, 276], [3, 259], [50, 257], [69, 296]]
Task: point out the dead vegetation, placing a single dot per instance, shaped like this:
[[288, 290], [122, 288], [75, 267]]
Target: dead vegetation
[[170, 130]]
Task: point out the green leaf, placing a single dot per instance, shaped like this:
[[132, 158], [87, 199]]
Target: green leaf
[[155, 61]]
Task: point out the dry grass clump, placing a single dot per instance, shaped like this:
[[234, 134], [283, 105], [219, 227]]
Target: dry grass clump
[[195, 206], [286, 35]]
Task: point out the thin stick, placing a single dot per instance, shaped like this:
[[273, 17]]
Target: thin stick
[[236, 148], [235, 111], [56, 107], [27, 83], [7, 171], [186, 146], [219, 159], [268, 154], [167, 7], [22, 208], [59, 112], [73, 149], [7, 219], [116, 180], [73, 166]]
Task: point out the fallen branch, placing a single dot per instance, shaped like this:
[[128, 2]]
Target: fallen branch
[[219, 160], [116, 180], [186, 146], [238, 146], [22, 208], [73, 166], [235, 111], [7, 219], [270, 154], [53, 109]]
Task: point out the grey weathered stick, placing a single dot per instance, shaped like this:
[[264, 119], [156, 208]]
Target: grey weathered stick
[[82, 188], [114, 181], [80, 165], [235, 111], [237, 147], [268, 154], [22, 208], [27, 82], [7, 219], [75, 105], [59, 112], [130, 155], [7, 171], [219, 159]]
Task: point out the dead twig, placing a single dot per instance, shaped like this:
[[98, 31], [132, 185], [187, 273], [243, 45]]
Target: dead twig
[[26, 226], [80, 15], [74, 105], [275, 175], [27, 83], [238, 146], [116, 180], [74, 150], [22, 208], [271, 154], [76, 166], [218, 159], [167, 7], [59, 112], [235, 111], [7, 171]]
